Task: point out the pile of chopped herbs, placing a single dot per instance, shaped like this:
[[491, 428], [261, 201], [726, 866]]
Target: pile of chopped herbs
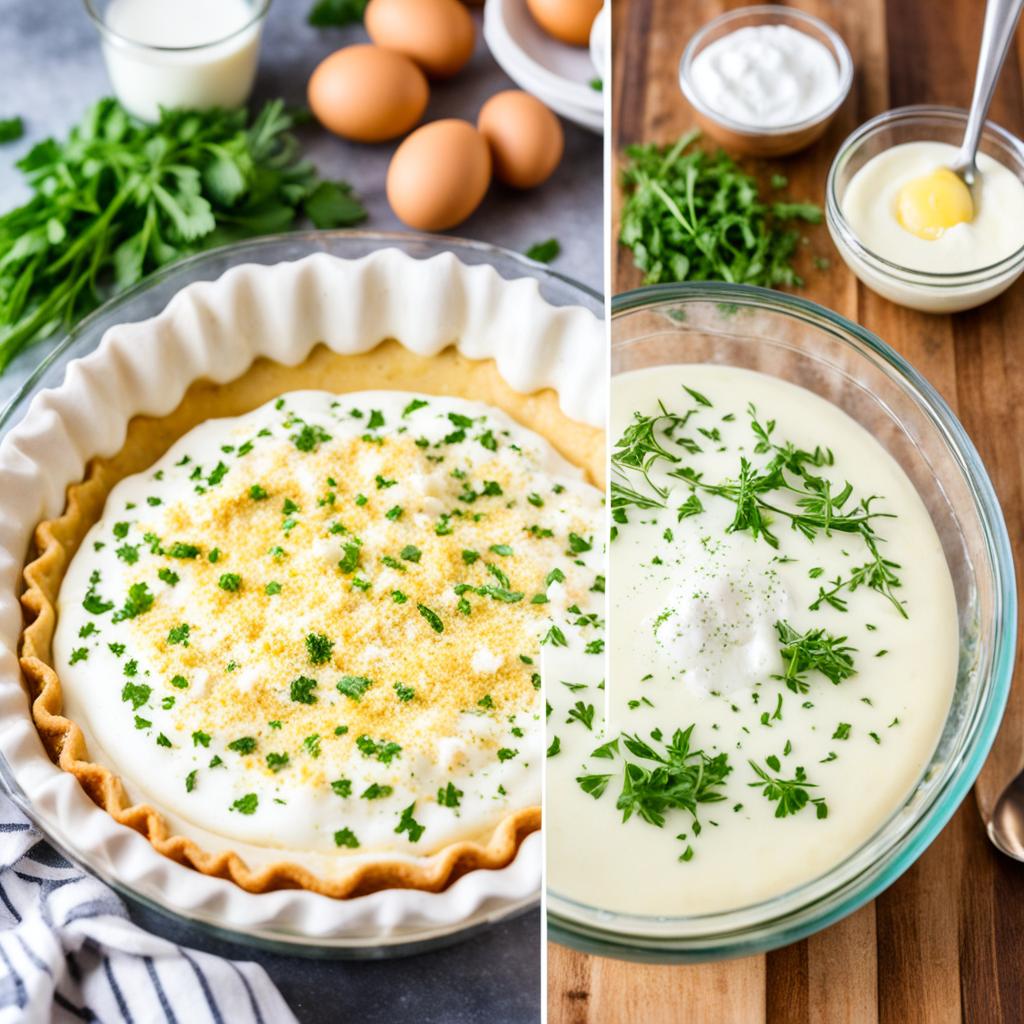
[[118, 199], [694, 216]]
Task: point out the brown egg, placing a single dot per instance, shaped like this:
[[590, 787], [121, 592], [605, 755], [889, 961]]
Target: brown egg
[[566, 20], [437, 34], [367, 94], [439, 175], [525, 138]]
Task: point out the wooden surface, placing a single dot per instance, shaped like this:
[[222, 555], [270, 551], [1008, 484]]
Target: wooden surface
[[946, 942]]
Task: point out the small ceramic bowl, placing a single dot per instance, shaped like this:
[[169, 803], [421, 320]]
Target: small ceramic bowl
[[769, 141]]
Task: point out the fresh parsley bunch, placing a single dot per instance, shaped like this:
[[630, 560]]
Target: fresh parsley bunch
[[693, 216], [120, 198]]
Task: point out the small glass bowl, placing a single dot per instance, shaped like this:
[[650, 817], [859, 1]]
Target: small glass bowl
[[146, 77], [917, 289], [777, 140], [788, 337]]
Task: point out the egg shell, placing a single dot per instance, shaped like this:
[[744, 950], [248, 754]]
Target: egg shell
[[438, 35], [525, 137], [439, 175], [367, 93], [569, 21]]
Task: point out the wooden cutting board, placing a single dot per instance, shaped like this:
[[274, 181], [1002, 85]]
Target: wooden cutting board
[[946, 942]]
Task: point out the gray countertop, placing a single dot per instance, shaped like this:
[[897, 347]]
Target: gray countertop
[[50, 70]]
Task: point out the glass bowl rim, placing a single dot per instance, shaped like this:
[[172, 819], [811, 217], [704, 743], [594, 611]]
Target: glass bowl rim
[[842, 227], [260, 9], [784, 15], [790, 923], [276, 941]]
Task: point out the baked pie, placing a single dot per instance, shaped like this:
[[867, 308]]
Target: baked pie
[[293, 632]]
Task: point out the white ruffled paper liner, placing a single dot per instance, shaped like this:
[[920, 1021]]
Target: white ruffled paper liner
[[215, 330]]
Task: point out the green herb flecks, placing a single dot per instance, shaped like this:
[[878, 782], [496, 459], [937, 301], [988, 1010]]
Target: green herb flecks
[[790, 795]]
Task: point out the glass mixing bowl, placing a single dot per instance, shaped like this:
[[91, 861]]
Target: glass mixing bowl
[[802, 342]]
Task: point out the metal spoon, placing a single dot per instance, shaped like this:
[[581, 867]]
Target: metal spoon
[[1001, 18], [1006, 826]]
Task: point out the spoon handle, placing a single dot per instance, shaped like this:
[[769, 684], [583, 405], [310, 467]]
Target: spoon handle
[[1001, 18]]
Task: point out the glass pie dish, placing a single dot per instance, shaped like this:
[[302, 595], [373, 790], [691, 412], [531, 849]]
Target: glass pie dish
[[464, 296], [801, 342]]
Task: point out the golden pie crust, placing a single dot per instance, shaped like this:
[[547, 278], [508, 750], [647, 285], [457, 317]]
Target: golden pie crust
[[389, 366]]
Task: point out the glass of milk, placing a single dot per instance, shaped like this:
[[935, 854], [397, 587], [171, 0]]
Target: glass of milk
[[179, 53]]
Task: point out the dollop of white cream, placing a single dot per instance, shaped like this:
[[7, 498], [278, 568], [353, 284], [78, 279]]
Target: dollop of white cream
[[766, 76], [719, 633]]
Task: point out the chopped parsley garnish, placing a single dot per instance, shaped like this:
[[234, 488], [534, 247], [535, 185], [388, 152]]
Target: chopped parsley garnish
[[384, 751], [375, 791], [301, 690], [790, 795], [350, 556], [258, 492], [136, 694], [416, 403], [246, 804], [449, 796], [346, 837], [411, 553], [180, 550], [407, 823], [243, 745], [319, 648], [272, 588], [679, 778], [179, 635], [138, 602], [277, 762], [433, 619], [354, 686], [169, 576], [231, 582], [190, 780], [310, 437], [816, 650], [342, 787]]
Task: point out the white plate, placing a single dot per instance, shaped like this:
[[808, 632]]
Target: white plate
[[558, 74]]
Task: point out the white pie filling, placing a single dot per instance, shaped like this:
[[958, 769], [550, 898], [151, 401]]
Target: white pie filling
[[348, 675]]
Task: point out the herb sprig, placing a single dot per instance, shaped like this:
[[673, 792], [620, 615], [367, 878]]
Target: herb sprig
[[676, 778]]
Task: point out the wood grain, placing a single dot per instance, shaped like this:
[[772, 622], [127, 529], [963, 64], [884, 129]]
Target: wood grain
[[946, 942]]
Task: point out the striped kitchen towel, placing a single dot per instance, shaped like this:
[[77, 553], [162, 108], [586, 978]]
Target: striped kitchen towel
[[68, 952]]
